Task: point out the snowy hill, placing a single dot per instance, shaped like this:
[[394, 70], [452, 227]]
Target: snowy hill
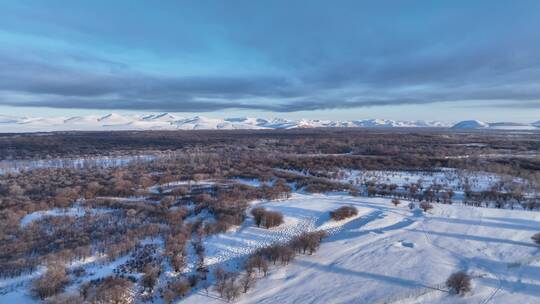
[[470, 124], [476, 124]]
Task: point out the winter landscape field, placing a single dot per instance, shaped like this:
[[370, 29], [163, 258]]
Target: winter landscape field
[[268, 216], [269, 152]]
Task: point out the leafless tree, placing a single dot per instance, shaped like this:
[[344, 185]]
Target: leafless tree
[[459, 282], [51, 282], [247, 280], [426, 206]]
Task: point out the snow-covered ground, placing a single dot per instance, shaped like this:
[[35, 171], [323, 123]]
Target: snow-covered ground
[[385, 254], [74, 211], [390, 254]]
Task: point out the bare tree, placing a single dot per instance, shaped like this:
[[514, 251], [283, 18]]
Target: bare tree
[[459, 282], [272, 219], [150, 277], [426, 206], [51, 282], [232, 289], [112, 290], [65, 298], [258, 214], [175, 289], [247, 280]]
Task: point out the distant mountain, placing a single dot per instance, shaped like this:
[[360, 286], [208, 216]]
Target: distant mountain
[[476, 124], [167, 121], [470, 124]]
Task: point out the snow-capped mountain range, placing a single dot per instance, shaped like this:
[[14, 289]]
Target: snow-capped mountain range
[[167, 121]]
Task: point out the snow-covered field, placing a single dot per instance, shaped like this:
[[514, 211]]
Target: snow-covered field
[[390, 254], [386, 254]]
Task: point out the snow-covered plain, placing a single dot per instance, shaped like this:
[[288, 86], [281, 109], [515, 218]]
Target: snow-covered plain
[[386, 254], [390, 254]]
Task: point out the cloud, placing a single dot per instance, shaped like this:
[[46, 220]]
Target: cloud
[[318, 57]]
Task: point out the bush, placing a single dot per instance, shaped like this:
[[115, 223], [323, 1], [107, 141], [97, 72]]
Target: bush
[[426, 206], [175, 289], [308, 241], [267, 219], [459, 282], [272, 219], [536, 238], [258, 213], [65, 298], [343, 213], [51, 282], [109, 290], [149, 278]]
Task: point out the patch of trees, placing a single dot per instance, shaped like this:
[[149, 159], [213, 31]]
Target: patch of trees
[[175, 289], [426, 206], [266, 218], [230, 285], [108, 290], [51, 282], [343, 212]]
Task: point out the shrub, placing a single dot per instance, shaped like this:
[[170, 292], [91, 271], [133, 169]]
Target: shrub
[[150, 277], [267, 219], [459, 282], [426, 206], [175, 289], [258, 213], [272, 219], [343, 213], [109, 290], [51, 282], [308, 241], [536, 238], [65, 298], [232, 289], [247, 281]]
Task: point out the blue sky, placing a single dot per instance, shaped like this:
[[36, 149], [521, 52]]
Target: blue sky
[[440, 60]]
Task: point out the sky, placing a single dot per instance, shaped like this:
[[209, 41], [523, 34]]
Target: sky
[[429, 60]]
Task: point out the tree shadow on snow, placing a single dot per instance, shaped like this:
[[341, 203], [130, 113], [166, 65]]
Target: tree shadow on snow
[[476, 238], [362, 274], [350, 229], [486, 223]]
